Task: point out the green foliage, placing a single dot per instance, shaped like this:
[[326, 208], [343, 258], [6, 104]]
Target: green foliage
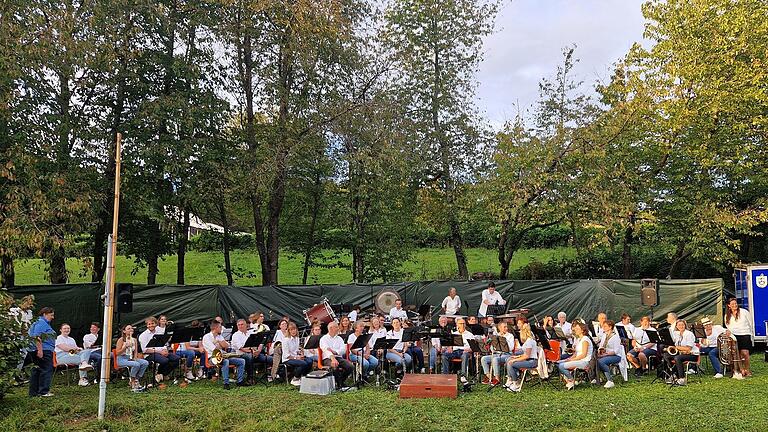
[[210, 241], [13, 338]]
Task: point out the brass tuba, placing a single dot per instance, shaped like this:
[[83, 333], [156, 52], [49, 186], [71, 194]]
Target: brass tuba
[[728, 350], [217, 357]]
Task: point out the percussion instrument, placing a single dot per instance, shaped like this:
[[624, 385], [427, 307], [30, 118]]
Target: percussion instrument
[[385, 300], [322, 313]]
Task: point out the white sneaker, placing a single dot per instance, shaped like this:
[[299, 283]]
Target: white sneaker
[[463, 379], [718, 375], [609, 384], [423, 370], [509, 383], [296, 382], [569, 385], [83, 382], [738, 376], [189, 376], [690, 371], [86, 366], [200, 373], [680, 381], [159, 378]]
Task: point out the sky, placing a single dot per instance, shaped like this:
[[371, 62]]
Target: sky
[[529, 39]]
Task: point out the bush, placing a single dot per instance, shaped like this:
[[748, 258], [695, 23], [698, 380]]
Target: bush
[[13, 338]]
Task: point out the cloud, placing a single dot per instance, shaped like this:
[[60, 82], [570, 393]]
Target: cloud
[[528, 43]]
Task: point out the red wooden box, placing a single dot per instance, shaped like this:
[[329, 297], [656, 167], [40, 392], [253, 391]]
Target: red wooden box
[[428, 386]]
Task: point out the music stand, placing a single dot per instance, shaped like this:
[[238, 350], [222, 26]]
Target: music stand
[[496, 309], [698, 331], [476, 329], [541, 337], [187, 334], [253, 341], [384, 345], [360, 343], [622, 331], [157, 341], [410, 334], [313, 342]]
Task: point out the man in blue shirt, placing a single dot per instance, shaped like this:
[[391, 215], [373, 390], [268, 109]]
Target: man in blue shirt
[[41, 352]]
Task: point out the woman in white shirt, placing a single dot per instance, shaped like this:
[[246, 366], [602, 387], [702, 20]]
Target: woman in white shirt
[[739, 323], [496, 358], [292, 355], [398, 354], [126, 350], [527, 360], [451, 303], [65, 346], [581, 356], [277, 343], [311, 354], [377, 331], [368, 361], [609, 351], [687, 351]]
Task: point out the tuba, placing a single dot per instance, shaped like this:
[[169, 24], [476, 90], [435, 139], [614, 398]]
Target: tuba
[[729, 350]]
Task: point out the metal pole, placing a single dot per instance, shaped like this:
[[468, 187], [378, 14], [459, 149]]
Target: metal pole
[[109, 290]]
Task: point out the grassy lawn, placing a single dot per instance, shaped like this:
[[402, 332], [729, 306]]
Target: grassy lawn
[[207, 267], [712, 405]]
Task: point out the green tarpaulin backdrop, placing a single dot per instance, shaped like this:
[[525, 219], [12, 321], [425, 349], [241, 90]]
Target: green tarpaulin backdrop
[[79, 304]]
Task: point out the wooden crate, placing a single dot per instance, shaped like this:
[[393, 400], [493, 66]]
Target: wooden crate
[[428, 386]]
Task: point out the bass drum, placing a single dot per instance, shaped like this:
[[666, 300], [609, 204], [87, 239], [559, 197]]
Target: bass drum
[[321, 313], [385, 300]]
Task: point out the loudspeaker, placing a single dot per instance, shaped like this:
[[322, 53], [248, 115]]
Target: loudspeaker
[[124, 297], [649, 295]]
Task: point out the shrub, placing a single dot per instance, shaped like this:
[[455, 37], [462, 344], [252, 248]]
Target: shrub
[[13, 338]]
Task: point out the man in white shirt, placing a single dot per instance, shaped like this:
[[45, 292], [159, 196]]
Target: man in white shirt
[[642, 348], [626, 321], [490, 297], [451, 303], [435, 342], [165, 360], [353, 315], [460, 351], [91, 342], [248, 354], [333, 349], [214, 340], [709, 345], [398, 311]]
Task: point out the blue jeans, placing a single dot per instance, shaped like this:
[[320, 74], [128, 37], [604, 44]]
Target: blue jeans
[[300, 367], [714, 358], [495, 360], [398, 361], [459, 353], [240, 363], [188, 356], [513, 369], [369, 363], [42, 373], [136, 367], [417, 354], [605, 362], [164, 364], [65, 358]]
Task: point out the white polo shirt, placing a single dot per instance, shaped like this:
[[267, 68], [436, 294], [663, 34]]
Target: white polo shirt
[[209, 343], [398, 313], [336, 343], [451, 305], [238, 340], [491, 298]]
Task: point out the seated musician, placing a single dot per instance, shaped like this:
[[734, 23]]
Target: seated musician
[[609, 351], [582, 354], [91, 342], [187, 355], [354, 314], [333, 349], [238, 345], [598, 325], [368, 361], [292, 355], [162, 322], [377, 331], [398, 311], [398, 355], [68, 353], [489, 324], [275, 349], [165, 360], [687, 351], [642, 348], [565, 326], [214, 340], [548, 324], [626, 321], [451, 303], [311, 354], [492, 363], [257, 322], [527, 360], [435, 342], [415, 351], [127, 350], [709, 345], [461, 351], [345, 325]]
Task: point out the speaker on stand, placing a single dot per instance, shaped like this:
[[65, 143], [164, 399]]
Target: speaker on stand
[[649, 293]]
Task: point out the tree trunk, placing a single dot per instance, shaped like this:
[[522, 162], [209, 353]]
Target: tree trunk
[[501, 248], [316, 195], [153, 256], [225, 242], [58, 270], [181, 252], [261, 242], [626, 253], [152, 269], [7, 273]]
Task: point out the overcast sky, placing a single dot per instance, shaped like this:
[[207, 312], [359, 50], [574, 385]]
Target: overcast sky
[[528, 43]]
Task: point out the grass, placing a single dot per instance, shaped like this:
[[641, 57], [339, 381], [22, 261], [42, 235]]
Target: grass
[[207, 267], [712, 405]]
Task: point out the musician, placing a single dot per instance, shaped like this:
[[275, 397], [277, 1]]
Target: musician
[[398, 311], [709, 345], [226, 332], [415, 351], [489, 324], [257, 322], [311, 354], [214, 340], [609, 351], [461, 351], [738, 322], [685, 344], [187, 355], [626, 321], [492, 363], [398, 355], [293, 355], [345, 325], [65, 346], [126, 351], [333, 349], [275, 350], [642, 348], [582, 354], [548, 324], [41, 352], [355, 312], [238, 345], [435, 342], [598, 326], [196, 347], [562, 322], [166, 361], [162, 322], [671, 322], [490, 297], [369, 361], [377, 331], [451, 303], [91, 342], [527, 360]]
